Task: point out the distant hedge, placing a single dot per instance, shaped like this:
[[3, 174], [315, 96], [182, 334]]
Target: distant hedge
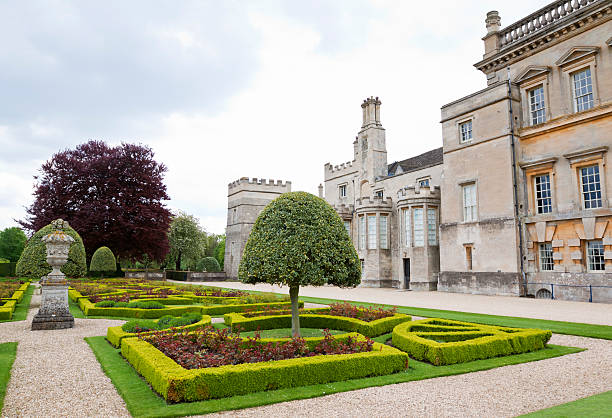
[[33, 260], [208, 264], [103, 261]]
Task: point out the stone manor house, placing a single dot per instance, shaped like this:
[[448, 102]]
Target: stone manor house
[[518, 201]]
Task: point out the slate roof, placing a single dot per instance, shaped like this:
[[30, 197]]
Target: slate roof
[[427, 159]]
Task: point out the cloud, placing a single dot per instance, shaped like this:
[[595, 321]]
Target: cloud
[[222, 90]]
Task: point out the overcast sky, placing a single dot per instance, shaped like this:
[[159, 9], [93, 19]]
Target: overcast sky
[[223, 89]]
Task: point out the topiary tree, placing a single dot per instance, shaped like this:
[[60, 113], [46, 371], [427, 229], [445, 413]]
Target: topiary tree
[[208, 264], [103, 261], [299, 240], [33, 260], [12, 243]]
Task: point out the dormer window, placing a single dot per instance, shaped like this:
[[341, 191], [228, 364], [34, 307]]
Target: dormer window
[[465, 131]]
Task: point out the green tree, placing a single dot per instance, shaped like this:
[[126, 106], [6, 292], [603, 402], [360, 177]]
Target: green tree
[[186, 238], [103, 261], [299, 240], [33, 260], [208, 264], [12, 243], [220, 252]]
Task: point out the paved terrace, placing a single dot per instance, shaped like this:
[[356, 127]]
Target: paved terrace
[[556, 310]]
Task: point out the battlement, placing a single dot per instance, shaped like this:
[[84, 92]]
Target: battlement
[[414, 190], [339, 170], [385, 202], [339, 167], [244, 181]]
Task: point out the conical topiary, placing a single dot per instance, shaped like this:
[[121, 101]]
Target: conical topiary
[[103, 261], [33, 261]]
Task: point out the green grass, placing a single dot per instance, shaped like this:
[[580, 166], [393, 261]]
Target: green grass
[[141, 401], [594, 406], [559, 327], [8, 352], [21, 310]]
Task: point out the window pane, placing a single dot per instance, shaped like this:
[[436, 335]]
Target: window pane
[[419, 237], [362, 232], [431, 227], [407, 229], [372, 232], [382, 220], [465, 131], [546, 257], [536, 105], [347, 226], [469, 202], [583, 90], [591, 187], [595, 256], [543, 195]]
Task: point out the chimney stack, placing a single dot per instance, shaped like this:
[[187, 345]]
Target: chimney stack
[[371, 112]]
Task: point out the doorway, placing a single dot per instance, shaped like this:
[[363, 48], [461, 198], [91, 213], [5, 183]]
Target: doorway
[[406, 273]]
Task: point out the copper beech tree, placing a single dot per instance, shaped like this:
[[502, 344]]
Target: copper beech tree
[[112, 195], [299, 240]]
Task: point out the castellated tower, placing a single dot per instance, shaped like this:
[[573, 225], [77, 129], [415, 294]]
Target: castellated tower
[[246, 198]]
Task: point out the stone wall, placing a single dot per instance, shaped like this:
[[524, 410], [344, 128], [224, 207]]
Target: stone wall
[[151, 275], [479, 283], [571, 286]]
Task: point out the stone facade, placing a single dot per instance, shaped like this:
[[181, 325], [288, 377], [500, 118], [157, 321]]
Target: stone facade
[[519, 199], [246, 199], [544, 124]]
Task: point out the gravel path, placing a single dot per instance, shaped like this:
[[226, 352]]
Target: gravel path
[[501, 392], [56, 373], [557, 310]]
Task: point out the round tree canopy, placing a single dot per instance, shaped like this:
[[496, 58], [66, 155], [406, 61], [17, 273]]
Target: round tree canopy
[[103, 260], [33, 260], [297, 240], [208, 264]]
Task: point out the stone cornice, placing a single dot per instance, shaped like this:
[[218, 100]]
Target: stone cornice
[[579, 21], [531, 72]]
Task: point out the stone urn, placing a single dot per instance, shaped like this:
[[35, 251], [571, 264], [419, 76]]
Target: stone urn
[[54, 312]]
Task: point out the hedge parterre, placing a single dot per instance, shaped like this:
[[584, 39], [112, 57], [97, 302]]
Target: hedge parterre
[[316, 318], [178, 384], [444, 341], [9, 303]]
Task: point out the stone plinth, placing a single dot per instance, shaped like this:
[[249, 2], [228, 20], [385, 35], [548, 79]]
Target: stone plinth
[[54, 312]]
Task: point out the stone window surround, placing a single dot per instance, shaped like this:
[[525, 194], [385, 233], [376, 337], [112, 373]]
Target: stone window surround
[[458, 124], [340, 188], [525, 87], [587, 262], [584, 158], [537, 168], [539, 256], [365, 216], [469, 256], [461, 185], [569, 67], [419, 180], [379, 193], [407, 241]]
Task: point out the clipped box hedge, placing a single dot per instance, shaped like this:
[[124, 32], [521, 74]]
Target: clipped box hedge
[[223, 309], [8, 306], [89, 309], [314, 319], [114, 335], [444, 341], [177, 384]]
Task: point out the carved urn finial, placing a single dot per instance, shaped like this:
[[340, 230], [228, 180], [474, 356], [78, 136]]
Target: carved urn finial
[[58, 245], [493, 22]]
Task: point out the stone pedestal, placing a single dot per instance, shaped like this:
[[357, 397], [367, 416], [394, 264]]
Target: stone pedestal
[[53, 312]]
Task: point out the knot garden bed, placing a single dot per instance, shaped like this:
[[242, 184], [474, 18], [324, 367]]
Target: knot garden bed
[[443, 341], [11, 293]]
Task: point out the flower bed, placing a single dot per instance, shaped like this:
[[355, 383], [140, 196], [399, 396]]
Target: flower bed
[[115, 335], [315, 318], [177, 384], [443, 341]]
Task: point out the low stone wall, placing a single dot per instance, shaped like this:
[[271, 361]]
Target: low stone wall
[[571, 286], [151, 275], [479, 283], [206, 277]]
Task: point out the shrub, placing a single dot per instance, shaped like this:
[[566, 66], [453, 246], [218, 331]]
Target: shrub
[[121, 305], [146, 305], [208, 264], [139, 325], [12, 243], [103, 261], [105, 304], [33, 260]]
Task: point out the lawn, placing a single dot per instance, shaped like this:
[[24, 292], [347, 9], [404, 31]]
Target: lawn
[[8, 352], [141, 401], [594, 406]]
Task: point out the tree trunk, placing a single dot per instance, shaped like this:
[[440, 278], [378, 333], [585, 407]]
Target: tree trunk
[[295, 313], [178, 261]]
